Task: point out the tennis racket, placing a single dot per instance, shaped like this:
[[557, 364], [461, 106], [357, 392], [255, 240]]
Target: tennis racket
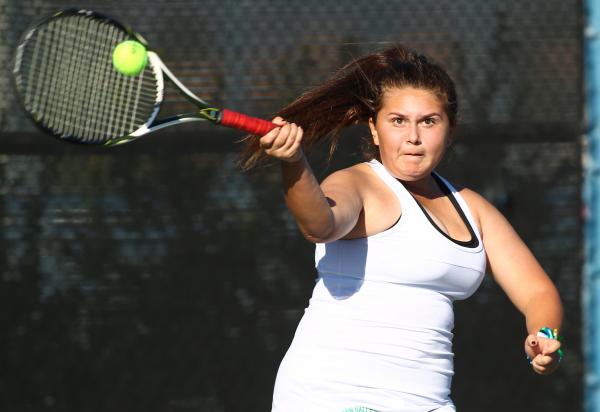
[[67, 84]]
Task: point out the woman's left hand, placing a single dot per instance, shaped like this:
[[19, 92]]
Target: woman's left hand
[[543, 354]]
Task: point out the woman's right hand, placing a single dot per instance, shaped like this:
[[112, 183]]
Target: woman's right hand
[[283, 142]]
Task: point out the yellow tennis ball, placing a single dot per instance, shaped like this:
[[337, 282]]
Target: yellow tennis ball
[[130, 57]]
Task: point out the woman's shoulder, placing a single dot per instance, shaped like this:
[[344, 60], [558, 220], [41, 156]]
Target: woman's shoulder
[[471, 196], [355, 172], [359, 177], [474, 199], [362, 180], [479, 206]]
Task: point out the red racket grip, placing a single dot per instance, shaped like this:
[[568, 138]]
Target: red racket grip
[[240, 121]]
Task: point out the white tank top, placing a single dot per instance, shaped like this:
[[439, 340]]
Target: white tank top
[[378, 329]]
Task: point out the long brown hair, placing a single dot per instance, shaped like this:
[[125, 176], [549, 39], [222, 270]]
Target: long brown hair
[[354, 94]]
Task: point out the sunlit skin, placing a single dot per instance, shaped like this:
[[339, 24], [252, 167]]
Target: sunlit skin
[[412, 131]]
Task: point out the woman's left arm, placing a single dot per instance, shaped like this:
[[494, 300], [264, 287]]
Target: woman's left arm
[[525, 282]]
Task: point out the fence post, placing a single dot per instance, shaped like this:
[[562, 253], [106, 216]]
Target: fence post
[[591, 193]]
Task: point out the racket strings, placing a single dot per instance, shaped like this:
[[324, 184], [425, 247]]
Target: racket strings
[[69, 85]]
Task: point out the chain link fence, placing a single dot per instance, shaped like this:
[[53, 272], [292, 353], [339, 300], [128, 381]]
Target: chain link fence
[[158, 277]]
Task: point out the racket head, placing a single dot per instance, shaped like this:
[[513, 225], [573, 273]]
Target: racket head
[[66, 82]]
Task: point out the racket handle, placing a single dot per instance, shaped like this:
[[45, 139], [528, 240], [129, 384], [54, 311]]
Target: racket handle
[[240, 121]]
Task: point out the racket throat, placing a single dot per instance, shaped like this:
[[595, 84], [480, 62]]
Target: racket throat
[[211, 114]]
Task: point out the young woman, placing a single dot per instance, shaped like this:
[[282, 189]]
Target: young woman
[[396, 244]]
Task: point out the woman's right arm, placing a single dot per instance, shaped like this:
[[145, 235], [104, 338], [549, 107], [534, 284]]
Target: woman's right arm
[[324, 212]]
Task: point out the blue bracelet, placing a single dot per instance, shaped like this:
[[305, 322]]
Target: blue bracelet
[[552, 334]]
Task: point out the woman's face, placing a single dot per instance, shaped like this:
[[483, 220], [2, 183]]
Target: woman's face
[[412, 131]]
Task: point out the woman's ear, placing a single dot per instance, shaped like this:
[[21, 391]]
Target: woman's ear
[[373, 132]]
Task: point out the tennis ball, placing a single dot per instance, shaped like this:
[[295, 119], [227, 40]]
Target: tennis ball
[[130, 57]]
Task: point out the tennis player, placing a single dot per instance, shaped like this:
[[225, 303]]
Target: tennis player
[[396, 244]]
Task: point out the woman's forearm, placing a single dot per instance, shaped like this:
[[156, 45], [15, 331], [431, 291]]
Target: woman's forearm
[[544, 310], [306, 201]]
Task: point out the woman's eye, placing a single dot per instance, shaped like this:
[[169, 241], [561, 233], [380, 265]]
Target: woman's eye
[[398, 120], [430, 121]]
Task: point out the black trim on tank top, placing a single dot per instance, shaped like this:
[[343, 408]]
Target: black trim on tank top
[[473, 242]]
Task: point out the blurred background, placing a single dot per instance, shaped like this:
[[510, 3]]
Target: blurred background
[[157, 276]]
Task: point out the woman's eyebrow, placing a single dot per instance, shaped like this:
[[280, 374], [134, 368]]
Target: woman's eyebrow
[[421, 116]]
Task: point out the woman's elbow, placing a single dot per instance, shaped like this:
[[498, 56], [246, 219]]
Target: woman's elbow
[[317, 236]]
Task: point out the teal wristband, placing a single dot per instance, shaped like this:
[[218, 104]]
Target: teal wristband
[[552, 334]]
